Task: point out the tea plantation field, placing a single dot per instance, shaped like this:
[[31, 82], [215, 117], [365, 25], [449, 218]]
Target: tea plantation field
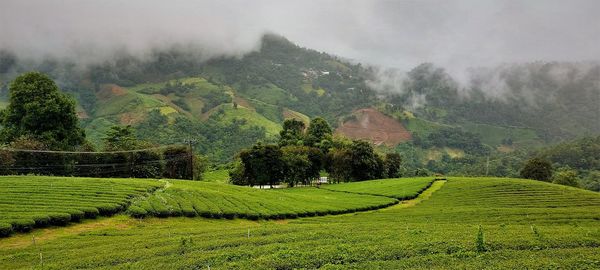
[[464, 223], [189, 198], [27, 202], [401, 188]]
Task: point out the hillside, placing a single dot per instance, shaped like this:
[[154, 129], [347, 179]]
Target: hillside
[[372, 125], [228, 103], [483, 223]]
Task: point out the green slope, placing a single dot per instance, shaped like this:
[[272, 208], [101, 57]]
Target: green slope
[[206, 199], [524, 224], [32, 201]]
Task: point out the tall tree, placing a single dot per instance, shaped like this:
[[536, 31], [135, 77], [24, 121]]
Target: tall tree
[[366, 164], [318, 133], [537, 169], [38, 110], [392, 165], [292, 132], [121, 138]]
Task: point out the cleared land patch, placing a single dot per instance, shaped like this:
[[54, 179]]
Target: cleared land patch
[[370, 124], [32, 201]]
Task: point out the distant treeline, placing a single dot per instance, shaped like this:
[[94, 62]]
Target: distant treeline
[[164, 162], [302, 154]]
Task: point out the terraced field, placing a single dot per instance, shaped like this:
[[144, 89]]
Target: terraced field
[[401, 188], [468, 223], [186, 198], [27, 202]]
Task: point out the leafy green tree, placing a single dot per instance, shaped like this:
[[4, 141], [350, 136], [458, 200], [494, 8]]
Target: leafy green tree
[[339, 164], [538, 169], [318, 133], [296, 165], [392, 165], [366, 164], [238, 175], [39, 110], [292, 132], [592, 181], [177, 165], [565, 176], [302, 164], [121, 138], [263, 165]]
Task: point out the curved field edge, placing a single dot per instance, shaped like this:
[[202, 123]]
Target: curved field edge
[[28, 202], [212, 200], [397, 188], [525, 224]]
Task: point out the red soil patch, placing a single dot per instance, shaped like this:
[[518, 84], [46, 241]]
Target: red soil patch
[[110, 90], [130, 118], [374, 126]]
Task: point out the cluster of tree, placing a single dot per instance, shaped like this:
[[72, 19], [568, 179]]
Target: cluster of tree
[[124, 156], [452, 137], [220, 140], [302, 153], [542, 169], [41, 129]]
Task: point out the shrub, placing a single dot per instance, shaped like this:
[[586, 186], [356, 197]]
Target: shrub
[[480, 241], [137, 212], [60, 219], [23, 225], [537, 169], [5, 229]]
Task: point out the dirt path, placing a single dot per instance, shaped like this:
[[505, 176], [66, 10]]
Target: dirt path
[[422, 197]]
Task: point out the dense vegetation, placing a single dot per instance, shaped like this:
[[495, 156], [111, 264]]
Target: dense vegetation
[[32, 201], [482, 223], [301, 155]]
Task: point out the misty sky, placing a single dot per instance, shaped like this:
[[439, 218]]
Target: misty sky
[[399, 34]]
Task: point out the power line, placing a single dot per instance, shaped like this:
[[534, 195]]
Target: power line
[[85, 152]]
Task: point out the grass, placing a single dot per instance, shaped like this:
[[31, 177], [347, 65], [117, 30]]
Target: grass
[[468, 223], [27, 202], [251, 117], [218, 176], [269, 93], [189, 198], [401, 188]]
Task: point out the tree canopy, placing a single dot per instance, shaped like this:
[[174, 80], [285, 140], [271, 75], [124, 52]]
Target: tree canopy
[[537, 169], [38, 110]]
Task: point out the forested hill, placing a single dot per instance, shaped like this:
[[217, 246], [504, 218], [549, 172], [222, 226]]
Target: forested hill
[[228, 103]]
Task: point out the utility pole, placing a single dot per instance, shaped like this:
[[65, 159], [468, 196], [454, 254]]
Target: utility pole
[[191, 142]]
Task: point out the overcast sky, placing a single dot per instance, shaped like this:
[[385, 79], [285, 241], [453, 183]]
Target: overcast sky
[[398, 34]]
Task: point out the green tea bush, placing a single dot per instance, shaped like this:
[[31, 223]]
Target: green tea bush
[[27, 202], [215, 200], [5, 229]]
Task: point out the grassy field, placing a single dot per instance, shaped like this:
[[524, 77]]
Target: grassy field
[[467, 223], [27, 202], [217, 176], [188, 198], [401, 188]]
